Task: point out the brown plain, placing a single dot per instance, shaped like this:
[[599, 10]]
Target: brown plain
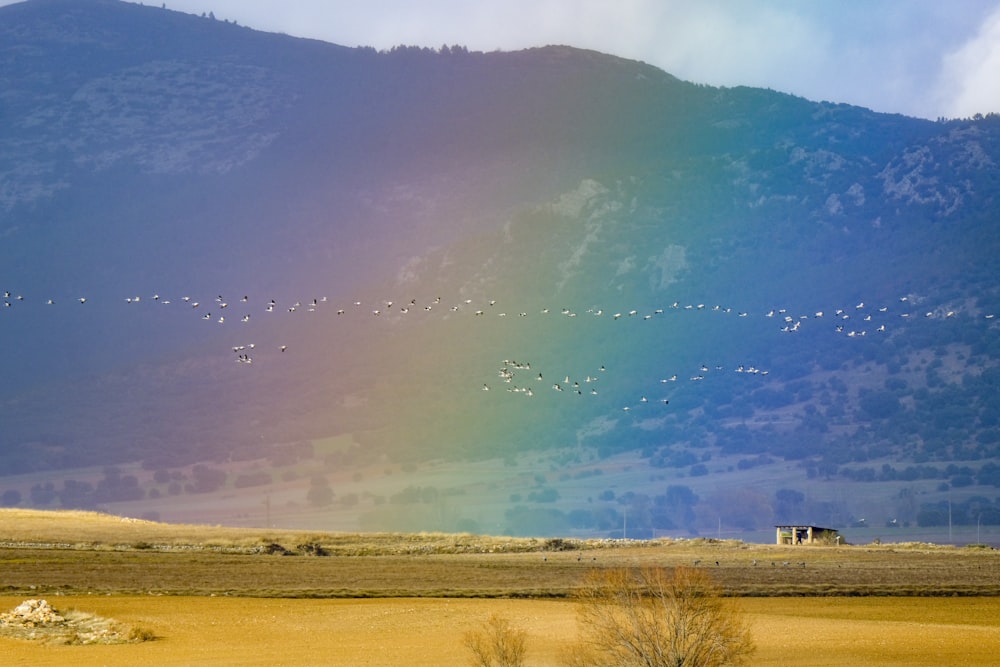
[[212, 598]]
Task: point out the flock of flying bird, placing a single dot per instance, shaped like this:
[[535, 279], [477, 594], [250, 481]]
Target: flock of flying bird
[[788, 321], [511, 370], [854, 321]]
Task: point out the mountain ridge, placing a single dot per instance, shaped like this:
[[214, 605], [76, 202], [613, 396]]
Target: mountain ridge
[[513, 204]]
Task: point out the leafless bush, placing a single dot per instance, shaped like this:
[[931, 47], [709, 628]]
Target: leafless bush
[[655, 617], [496, 643]]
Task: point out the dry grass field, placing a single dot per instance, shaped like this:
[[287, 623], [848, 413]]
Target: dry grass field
[[428, 632], [218, 596]]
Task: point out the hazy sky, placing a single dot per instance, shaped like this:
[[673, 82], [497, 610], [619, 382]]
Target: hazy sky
[[925, 58]]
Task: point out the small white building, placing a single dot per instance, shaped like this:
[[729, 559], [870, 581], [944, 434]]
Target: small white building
[[799, 535]]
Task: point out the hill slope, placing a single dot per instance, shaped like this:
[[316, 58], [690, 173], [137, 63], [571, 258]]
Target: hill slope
[[467, 255]]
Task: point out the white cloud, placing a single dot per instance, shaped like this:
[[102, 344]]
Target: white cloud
[[728, 45], [970, 80]]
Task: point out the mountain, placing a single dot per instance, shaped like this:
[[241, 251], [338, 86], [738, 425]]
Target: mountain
[[219, 245]]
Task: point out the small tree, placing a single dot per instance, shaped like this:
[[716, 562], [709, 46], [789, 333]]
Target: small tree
[[496, 643], [655, 617]]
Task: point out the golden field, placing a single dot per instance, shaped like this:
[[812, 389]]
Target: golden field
[[213, 596], [428, 632]]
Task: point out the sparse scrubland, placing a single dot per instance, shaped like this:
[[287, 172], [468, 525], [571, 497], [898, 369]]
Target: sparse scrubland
[[211, 595], [46, 552]]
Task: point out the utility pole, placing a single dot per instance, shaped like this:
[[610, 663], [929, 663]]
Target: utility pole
[[949, 518]]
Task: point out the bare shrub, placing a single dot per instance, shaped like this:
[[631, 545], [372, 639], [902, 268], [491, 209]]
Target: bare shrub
[[139, 633], [656, 617], [496, 643], [312, 549]]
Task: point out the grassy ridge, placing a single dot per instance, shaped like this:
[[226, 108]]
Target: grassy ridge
[[95, 530], [82, 552]]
